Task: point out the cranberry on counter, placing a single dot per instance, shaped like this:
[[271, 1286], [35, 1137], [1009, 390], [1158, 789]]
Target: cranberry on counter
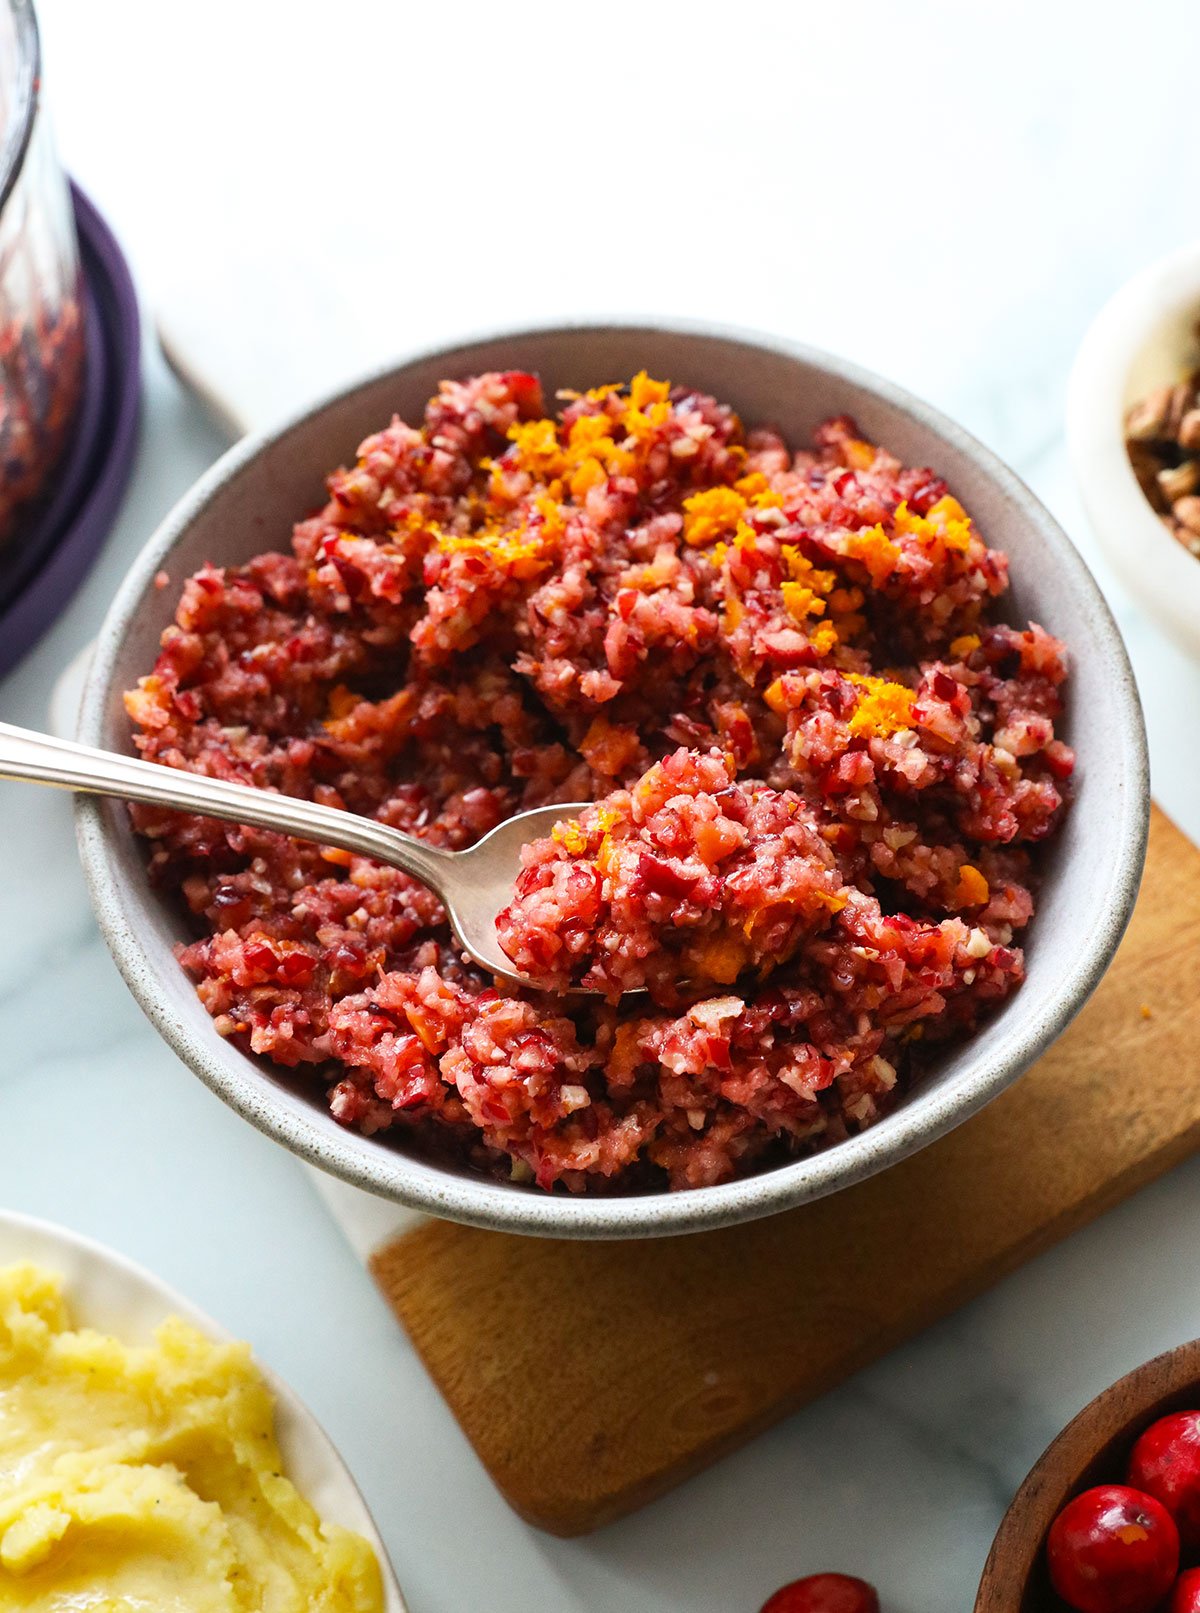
[[1185, 1598], [1113, 1550], [1166, 1464], [824, 1593]]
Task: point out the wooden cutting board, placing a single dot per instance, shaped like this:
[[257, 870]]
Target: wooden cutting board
[[592, 1377]]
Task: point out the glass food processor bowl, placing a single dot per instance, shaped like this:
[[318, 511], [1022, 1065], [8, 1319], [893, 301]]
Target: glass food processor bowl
[[41, 309]]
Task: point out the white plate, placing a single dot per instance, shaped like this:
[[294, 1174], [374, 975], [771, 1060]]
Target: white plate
[[108, 1292]]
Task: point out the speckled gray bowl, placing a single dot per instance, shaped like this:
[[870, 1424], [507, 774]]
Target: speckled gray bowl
[[247, 503]]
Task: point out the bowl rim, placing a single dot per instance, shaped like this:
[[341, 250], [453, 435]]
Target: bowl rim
[[408, 1180], [1155, 568], [130, 1273], [1157, 1388]]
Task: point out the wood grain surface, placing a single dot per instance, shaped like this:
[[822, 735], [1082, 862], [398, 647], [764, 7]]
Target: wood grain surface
[[591, 1378]]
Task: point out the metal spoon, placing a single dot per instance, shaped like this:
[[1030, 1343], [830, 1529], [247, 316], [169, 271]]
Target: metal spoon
[[474, 885]]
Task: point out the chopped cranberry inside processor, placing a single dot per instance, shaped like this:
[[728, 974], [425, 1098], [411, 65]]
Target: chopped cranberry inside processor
[[821, 764]]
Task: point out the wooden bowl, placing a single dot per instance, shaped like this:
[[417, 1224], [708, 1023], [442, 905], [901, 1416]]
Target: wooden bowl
[[1093, 1449]]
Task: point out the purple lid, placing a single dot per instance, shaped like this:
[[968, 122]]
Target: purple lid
[[57, 549]]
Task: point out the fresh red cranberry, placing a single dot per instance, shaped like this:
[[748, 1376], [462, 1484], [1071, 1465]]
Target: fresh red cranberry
[[1185, 1598], [1166, 1464], [1113, 1550], [824, 1593]]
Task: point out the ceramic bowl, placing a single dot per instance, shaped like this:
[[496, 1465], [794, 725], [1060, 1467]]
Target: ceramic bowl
[[1093, 1449], [248, 502], [110, 1293], [1144, 337]]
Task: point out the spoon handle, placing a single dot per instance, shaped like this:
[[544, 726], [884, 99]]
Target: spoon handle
[[41, 759]]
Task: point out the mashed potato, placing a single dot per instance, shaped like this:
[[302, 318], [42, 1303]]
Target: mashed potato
[[139, 1477]]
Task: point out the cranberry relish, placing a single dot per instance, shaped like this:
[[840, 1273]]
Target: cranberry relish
[[820, 767]]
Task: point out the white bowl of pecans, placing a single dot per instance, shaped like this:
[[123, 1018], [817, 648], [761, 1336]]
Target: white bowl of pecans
[[1133, 429]]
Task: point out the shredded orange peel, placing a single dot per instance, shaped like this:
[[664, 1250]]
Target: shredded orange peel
[[597, 446], [972, 889], [883, 709]]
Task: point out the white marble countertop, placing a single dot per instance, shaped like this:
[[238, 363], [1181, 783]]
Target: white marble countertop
[[943, 194]]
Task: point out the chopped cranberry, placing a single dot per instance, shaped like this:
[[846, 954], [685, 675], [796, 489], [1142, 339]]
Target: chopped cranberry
[[1185, 1598], [1166, 1464], [496, 1112], [824, 1593], [260, 956], [1060, 759], [350, 958], [660, 877], [353, 580], [297, 968], [717, 1049], [1113, 1550], [586, 888], [525, 391], [689, 730], [944, 687], [926, 494]]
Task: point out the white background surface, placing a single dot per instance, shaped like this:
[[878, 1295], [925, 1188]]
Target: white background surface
[[944, 191]]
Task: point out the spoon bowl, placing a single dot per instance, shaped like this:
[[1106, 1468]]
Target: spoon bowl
[[484, 876]]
